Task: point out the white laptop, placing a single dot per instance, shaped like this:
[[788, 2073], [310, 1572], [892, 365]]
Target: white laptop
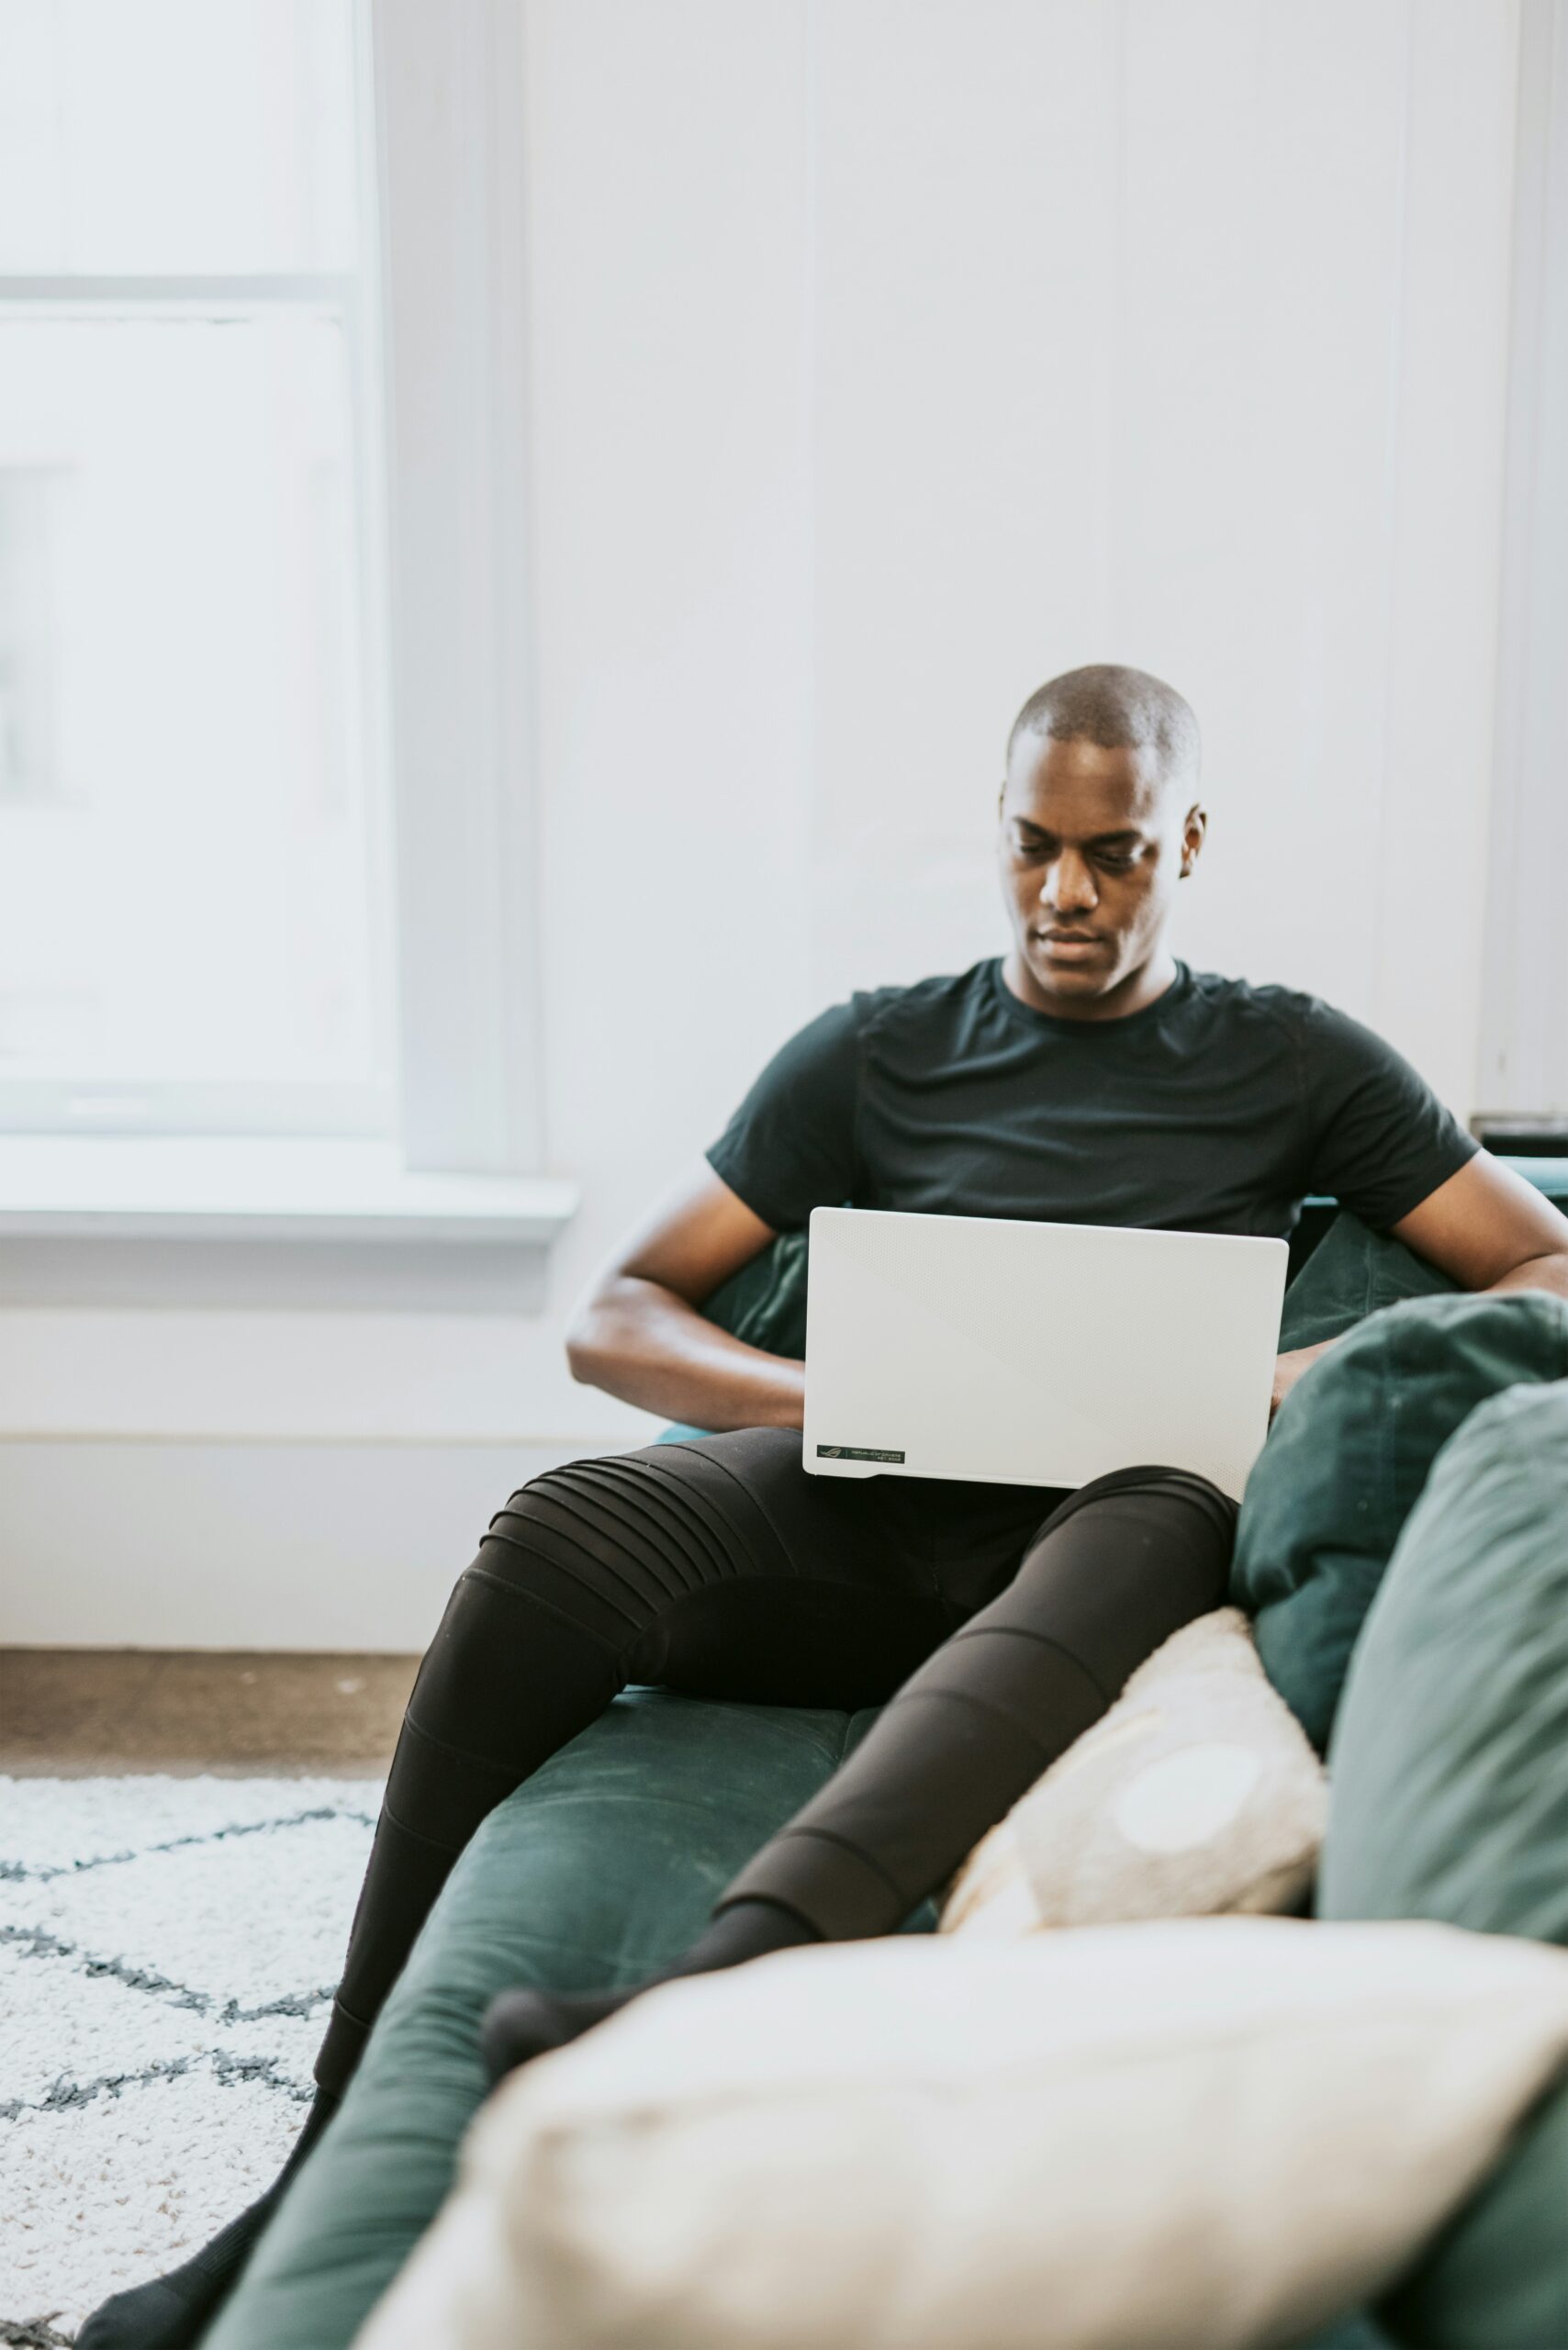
[[1019, 1353]]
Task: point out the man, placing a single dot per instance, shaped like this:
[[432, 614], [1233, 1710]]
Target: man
[[1086, 1076]]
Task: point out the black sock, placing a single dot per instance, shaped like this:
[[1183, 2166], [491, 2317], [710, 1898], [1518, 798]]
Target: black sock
[[171, 2312], [521, 2024]]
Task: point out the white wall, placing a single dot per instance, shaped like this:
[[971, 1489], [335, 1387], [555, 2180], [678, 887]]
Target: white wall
[[890, 355]]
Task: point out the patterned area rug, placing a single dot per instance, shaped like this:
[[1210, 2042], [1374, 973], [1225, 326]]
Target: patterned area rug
[[167, 1953]]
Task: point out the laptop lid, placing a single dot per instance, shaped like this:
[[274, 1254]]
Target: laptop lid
[[1010, 1352]]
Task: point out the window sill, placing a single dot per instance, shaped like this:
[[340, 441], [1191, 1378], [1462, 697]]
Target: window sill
[[179, 1188]]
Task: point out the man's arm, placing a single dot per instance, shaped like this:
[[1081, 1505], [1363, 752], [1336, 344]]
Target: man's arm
[[638, 1333], [1486, 1228]]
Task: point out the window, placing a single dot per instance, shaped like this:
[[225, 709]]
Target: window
[[194, 861], [268, 831]]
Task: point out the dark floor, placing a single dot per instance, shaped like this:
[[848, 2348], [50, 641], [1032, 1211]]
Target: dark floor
[[71, 1713]]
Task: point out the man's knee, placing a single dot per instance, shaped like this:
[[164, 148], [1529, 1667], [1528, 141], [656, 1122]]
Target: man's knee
[[1150, 1490], [564, 1548], [613, 1542], [1157, 1477], [1149, 1526], [545, 1579]]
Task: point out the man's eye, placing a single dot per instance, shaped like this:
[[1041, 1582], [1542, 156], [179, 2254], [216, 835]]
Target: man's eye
[[1123, 862]]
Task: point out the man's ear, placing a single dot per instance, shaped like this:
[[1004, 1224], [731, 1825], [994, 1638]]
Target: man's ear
[[1195, 831]]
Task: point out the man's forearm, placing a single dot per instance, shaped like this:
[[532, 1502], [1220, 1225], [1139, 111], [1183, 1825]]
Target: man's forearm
[[642, 1343]]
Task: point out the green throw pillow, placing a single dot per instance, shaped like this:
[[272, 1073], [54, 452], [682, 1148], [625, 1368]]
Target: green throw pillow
[[1346, 1460], [1350, 2333], [1352, 1272], [765, 1303], [1449, 1770]]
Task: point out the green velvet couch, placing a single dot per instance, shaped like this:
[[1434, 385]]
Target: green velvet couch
[[603, 1865]]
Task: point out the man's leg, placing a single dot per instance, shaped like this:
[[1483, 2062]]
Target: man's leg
[[719, 1561], [1114, 1570], [718, 1566], [1118, 1567]]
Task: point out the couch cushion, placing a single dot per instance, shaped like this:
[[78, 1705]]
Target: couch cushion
[[1449, 1769], [594, 1873], [1197, 1793], [1347, 1457], [1103, 2140]]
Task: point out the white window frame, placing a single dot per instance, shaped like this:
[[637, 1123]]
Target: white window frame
[[449, 114], [1523, 1076], [436, 317]]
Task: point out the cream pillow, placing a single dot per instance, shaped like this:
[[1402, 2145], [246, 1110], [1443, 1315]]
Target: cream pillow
[[1203, 2134], [1197, 1793]]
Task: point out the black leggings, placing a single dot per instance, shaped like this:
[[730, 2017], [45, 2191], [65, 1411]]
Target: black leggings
[[1011, 1614]]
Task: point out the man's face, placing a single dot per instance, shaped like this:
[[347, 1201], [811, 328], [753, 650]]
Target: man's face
[[1092, 848]]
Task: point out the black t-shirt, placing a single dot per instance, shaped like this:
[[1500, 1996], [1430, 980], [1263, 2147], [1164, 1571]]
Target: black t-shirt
[[1217, 1108]]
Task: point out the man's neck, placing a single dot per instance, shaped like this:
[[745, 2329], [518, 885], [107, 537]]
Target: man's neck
[[1135, 993]]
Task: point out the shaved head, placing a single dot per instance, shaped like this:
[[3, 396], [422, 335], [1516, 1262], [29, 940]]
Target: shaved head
[[1098, 821], [1121, 710]]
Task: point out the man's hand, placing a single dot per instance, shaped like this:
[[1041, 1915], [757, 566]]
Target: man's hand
[[1288, 1369]]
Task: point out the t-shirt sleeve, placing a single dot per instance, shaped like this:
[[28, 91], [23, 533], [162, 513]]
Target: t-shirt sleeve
[[791, 1146], [1379, 1138]]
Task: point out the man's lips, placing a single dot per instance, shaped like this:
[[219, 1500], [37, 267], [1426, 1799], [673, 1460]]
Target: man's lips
[[1070, 945]]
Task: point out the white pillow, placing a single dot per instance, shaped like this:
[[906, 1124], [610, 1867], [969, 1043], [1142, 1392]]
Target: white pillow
[[1199, 1792], [1206, 2134]]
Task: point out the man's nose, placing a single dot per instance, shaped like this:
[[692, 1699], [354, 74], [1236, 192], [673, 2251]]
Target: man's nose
[[1068, 885]]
